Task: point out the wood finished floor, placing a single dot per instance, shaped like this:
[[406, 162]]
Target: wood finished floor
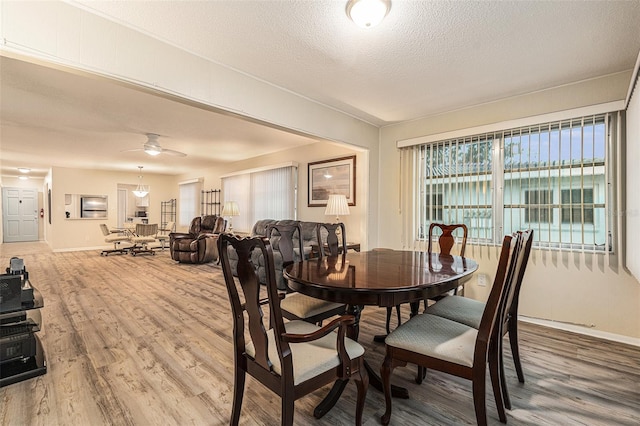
[[145, 341]]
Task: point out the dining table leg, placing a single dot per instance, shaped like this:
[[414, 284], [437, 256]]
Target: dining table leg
[[374, 377]]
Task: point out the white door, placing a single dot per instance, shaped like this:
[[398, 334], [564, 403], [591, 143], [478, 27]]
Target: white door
[[122, 207], [20, 220]]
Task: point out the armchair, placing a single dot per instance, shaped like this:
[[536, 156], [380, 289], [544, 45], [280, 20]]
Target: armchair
[[200, 244]]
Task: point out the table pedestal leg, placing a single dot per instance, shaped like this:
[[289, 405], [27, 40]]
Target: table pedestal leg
[[374, 378]]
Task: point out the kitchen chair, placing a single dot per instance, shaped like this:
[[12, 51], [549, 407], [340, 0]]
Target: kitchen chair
[[144, 235], [115, 236], [297, 306], [292, 359], [441, 344], [469, 312], [446, 242]]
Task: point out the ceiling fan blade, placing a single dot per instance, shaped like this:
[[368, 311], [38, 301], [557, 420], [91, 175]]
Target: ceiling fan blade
[[173, 153], [132, 150]]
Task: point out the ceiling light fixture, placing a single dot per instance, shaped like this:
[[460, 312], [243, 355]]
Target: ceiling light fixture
[[152, 147], [141, 190], [368, 13], [23, 177], [23, 170]]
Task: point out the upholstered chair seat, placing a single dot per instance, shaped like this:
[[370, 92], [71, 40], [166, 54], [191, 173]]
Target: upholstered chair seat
[[310, 359]]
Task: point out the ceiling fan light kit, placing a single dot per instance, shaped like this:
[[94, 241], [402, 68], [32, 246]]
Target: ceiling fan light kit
[[152, 147]]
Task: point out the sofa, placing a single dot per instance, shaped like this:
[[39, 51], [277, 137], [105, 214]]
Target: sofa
[[200, 244], [309, 238]]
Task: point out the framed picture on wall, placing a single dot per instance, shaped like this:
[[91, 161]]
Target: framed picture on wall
[[336, 176]]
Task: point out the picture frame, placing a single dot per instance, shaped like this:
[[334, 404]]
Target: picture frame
[[335, 176]]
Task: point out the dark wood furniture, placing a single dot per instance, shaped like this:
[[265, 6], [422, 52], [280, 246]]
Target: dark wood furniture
[[290, 359], [446, 242], [297, 306], [469, 312], [21, 353], [377, 278], [438, 343], [336, 239]]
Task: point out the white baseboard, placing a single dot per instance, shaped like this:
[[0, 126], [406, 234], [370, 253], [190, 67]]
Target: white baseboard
[[82, 249], [633, 341]]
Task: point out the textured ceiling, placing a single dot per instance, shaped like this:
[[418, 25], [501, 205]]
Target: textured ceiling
[[427, 57]]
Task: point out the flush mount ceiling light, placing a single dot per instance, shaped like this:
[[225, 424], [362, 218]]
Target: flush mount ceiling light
[[23, 170], [23, 177], [141, 190], [368, 13]]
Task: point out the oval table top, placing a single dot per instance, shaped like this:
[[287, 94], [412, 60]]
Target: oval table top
[[382, 278]]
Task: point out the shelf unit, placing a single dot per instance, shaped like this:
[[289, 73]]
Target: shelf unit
[[210, 202], [21, 354]]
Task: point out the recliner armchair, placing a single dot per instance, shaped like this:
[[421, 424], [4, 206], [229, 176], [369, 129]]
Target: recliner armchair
[[200, 244]]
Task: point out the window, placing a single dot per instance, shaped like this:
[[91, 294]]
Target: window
[[577, 206], [189, 201], [262, 194], [537, 205], [550, 177]]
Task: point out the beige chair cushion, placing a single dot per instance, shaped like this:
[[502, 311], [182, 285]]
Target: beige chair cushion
[[312, 358], [460, 309], [436, 337], [304, 306], [115, 238]]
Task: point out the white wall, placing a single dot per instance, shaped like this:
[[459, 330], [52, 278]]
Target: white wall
[[356, 222], [60, 33], [585, 290], [632, 213], [77, 234]]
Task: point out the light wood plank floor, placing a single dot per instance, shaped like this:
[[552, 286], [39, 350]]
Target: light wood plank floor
[[145, 341]]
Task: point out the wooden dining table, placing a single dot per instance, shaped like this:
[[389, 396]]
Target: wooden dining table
[[376, 278]]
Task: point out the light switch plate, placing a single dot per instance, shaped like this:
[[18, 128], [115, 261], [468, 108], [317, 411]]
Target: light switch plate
[[482, 280]]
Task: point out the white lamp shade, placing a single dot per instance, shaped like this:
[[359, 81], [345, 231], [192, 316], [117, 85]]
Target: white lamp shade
[[337, 205], [230, 208]]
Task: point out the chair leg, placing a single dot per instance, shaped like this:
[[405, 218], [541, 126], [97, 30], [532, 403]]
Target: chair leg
[[497, 377], [421, 374], [503, 380], [287, 410], [238, 392], [515, 351], [385, 374], [479, 396], [362, 382]]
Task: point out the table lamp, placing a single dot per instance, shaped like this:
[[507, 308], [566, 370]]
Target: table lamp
[[230, 209], [337, 205]]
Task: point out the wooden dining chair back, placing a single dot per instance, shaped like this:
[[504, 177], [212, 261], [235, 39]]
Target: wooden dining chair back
[[291, 359], [469, 312], [441, 344], [297, 306], [336, 239], [446, 238]]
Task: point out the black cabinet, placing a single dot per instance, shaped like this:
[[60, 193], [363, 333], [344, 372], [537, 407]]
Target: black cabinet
[[21, 353]]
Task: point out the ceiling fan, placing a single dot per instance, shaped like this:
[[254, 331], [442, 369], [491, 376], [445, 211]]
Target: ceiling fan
[[153, 148]]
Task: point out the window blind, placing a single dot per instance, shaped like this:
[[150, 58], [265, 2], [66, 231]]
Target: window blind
[[189, 201], [262, 194]]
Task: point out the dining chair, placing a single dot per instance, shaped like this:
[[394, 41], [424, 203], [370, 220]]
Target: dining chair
[[336, 237], [469, 312], [298, 306], [115, 236], [144, 235], [291, 359], [446, 242], [441, 344]]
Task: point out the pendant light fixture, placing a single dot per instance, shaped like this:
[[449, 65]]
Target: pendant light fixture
[[140, 191]]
